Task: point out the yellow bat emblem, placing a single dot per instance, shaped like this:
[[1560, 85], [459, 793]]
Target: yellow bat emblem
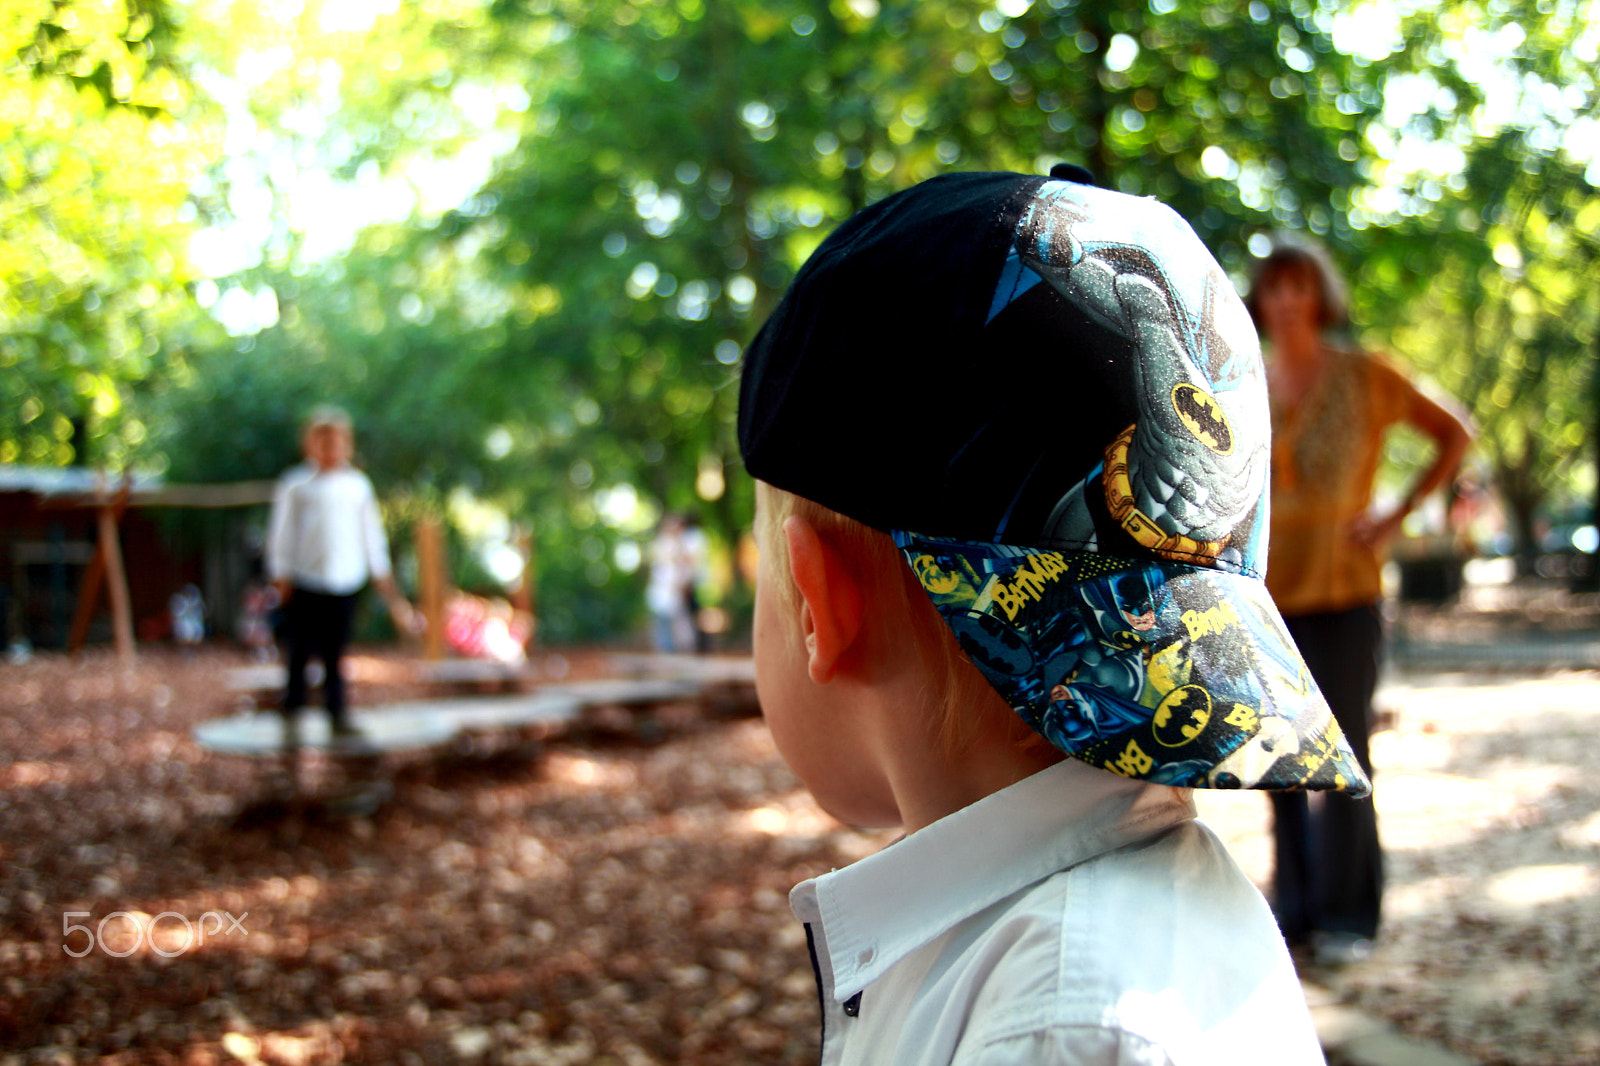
[[1204, 417], [1182, 716], [938, 581]]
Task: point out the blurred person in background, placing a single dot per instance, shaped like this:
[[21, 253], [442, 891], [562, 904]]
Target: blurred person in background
[[188, 611], [325, 542], [697, 550], [1332, 405], [670, 591], [258, 608]]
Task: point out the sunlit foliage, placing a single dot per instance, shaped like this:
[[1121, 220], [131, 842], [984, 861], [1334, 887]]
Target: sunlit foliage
[[96, 166], [525, 240]]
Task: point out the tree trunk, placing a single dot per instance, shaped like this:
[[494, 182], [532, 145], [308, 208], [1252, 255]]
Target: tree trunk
[[1520, 492], [1589, 580]]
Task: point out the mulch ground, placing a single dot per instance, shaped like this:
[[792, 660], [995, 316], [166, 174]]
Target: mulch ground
[[620, 896], [609, 900]]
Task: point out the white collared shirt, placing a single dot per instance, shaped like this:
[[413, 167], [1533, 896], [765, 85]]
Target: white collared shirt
[[326, 534], [1075, 917]]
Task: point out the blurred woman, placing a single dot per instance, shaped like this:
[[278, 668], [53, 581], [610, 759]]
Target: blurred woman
[[1331, 407]]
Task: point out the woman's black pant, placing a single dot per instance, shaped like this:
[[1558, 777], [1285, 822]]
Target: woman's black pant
[[1329, 869]]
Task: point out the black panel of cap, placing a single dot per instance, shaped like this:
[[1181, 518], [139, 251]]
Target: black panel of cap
[[1072, 172], [871, 377], [879, 387]]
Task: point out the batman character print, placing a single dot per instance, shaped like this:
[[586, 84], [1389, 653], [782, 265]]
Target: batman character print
[[1162, 671], [1133, 630]]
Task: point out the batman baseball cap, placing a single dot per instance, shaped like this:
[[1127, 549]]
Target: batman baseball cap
[[1052, 399]]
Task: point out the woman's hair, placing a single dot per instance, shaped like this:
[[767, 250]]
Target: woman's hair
[[1310, 261], [963, 694]]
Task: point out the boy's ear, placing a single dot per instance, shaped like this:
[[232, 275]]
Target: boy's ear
[[832, 600]]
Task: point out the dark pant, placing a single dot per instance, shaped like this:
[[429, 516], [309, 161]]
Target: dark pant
[[1329, 871], [317, 624]]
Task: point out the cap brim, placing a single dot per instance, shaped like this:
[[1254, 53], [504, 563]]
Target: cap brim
[[1175, 674]]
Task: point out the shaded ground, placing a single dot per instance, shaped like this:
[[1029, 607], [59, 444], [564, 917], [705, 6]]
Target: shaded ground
[[616, 901], [1488, 794], [611, 901], [1491, 832]]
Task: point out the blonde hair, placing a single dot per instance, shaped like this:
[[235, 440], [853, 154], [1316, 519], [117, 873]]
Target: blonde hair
[[327, 415], [965, 699]]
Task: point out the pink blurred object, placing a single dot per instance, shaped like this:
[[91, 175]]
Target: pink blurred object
[[486, 629]]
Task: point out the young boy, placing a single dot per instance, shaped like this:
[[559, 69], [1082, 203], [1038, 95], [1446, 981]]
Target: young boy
[[1010, 436], [325, 540]]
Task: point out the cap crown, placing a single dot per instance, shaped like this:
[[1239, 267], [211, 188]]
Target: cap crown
[[1050, 395], [961, 397]]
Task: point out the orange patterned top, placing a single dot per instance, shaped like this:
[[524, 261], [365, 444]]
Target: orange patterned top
[[1325, 455]]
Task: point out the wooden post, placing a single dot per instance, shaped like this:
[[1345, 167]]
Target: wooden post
[[88, 596], [110, 553], [109, 515], [431, 585], [526, 596], [117, 585]]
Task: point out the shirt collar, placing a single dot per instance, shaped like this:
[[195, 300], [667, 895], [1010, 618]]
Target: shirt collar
[[877, 911]]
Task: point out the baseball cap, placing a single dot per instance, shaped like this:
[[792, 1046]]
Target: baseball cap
[[1052, 399]]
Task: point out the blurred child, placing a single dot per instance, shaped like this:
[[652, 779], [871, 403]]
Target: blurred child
[[1011, 442], [325, 542], [187, 609], [257, 606], [670, 591]]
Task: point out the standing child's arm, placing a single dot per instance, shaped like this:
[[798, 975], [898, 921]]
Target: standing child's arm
[[280, 537], [375, 543]]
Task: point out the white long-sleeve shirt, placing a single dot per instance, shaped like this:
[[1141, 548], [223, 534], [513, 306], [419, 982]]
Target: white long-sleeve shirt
[[1076, 918], [326, 534]]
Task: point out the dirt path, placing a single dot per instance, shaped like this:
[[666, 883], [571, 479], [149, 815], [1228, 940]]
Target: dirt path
[[1489, 806]]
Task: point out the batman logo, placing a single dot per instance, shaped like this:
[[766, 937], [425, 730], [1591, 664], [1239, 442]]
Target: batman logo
[[1182, 716], [934, 578], [993, 646], [1204, 417]]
